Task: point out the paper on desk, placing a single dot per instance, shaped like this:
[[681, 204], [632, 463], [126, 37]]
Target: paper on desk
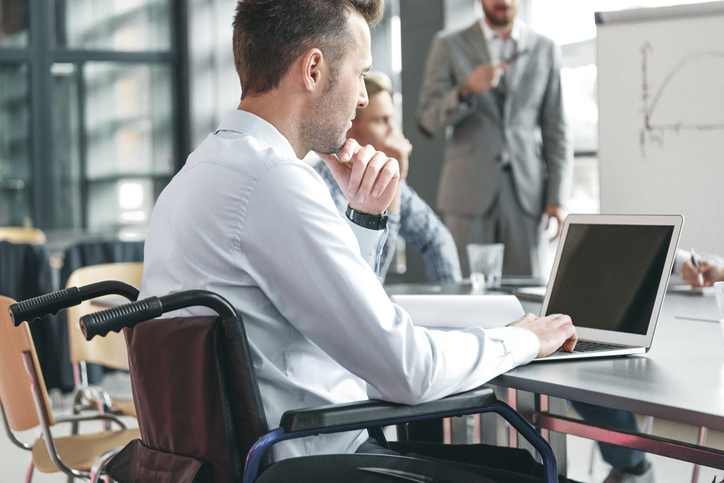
[[460, 311]]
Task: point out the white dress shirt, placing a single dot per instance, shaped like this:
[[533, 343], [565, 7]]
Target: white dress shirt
[[248, 220], [502, 50]]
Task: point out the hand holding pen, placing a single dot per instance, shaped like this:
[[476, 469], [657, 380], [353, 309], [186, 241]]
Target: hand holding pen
[[701, 273]]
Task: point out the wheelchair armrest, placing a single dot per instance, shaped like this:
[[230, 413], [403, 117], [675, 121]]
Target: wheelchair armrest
[[377, 413]]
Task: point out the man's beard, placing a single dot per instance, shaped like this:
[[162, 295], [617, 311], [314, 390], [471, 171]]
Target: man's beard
[[325, 131], [498, 20]]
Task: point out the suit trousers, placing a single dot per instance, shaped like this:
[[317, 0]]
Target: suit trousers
[[504, 222], [617, 456], [499, 464]]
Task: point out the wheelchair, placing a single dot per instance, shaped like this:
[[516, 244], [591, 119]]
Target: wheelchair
[[201, 416]]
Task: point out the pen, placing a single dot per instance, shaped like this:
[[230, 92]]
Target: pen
[[695, 262]]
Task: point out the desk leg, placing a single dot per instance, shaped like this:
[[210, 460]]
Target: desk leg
[[702, 441], [527, 404], [513, 403], [555, 439]]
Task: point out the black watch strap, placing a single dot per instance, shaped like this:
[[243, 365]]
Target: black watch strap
[[371, 222]]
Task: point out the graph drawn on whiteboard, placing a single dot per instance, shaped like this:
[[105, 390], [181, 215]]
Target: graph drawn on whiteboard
[[685, 99]]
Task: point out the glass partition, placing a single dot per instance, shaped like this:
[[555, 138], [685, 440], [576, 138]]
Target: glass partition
[[129, 133], [122, 25], [67, 173], [14, 144]]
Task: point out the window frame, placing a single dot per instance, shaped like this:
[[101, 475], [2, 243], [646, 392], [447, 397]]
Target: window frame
[[41, 53]]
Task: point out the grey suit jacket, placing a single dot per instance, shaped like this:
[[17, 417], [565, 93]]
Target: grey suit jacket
[[531, 132]]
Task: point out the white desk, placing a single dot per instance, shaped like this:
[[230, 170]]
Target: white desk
[[680, 379]]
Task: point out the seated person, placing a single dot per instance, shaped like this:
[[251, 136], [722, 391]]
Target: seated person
[[247, 219], [408, 214]]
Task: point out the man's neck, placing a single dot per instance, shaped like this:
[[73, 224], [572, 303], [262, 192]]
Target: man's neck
[[279, 114], [502, 30]]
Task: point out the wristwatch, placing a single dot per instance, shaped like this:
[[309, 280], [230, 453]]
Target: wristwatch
[[371, 222]]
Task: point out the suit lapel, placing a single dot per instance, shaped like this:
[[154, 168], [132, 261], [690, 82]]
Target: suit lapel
[[523, 50], [474, 37]]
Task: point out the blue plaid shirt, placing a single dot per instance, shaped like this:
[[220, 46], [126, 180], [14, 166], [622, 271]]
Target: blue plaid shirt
[[417, 224]]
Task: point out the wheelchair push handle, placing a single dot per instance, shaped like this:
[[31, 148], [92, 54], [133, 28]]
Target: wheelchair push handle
[[52, 303], [118, 318], [130, 315]]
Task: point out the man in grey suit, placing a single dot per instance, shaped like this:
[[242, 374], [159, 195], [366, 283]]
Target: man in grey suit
[[508, 161]]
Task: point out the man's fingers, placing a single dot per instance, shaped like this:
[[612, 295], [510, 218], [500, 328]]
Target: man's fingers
[[349, 149], [389, 171], [359, 162], [562, 326], [570, 343]]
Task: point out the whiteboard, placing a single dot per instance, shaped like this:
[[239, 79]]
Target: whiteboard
[[661, 116]]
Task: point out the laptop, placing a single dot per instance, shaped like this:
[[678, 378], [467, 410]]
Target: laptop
[[610, 275]]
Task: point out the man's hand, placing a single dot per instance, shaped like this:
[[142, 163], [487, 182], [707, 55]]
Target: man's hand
[[484, 77], [553, 331], [709, 270], [397, 146], [557, 212], [368, 178]]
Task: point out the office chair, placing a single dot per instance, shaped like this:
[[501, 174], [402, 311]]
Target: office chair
[[25, 405], [107, 351], [200, 411]]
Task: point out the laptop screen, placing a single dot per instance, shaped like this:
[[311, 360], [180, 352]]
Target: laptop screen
[[608, 275]]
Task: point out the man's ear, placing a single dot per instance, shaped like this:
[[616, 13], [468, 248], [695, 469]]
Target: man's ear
[[314, 70]]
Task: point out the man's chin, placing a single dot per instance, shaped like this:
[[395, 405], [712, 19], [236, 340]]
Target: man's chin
[[329, 148]]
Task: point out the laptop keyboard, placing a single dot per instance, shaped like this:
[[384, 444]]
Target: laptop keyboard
[[589, 346]]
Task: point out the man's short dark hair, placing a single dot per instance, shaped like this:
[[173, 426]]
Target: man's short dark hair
[[269, 35]]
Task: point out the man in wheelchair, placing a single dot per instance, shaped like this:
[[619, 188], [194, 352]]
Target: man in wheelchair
[[245, 218]]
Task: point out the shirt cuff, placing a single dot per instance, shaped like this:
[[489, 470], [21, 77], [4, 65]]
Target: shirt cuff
[[679, 259], [522, 343], [370, 243]]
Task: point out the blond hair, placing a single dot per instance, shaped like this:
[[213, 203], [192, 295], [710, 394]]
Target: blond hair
[[376, 82]]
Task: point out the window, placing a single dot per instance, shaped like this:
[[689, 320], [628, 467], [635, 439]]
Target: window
[[94, 112]]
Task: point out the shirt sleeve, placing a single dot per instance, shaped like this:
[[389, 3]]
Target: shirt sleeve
[[684, 255], [371, 242], [306, 259], [423, 229]]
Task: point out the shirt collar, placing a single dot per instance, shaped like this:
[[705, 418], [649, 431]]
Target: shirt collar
[[490, 34], [244, 122]]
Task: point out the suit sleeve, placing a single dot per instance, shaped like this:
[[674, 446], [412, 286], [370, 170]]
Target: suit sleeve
[[439, 104], [557, 142]]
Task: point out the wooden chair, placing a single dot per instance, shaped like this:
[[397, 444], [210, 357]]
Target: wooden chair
[[15, 234], [25, 405], [107, 351]]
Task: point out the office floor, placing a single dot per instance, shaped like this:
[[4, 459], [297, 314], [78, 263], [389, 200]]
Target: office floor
[[584, 460]]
